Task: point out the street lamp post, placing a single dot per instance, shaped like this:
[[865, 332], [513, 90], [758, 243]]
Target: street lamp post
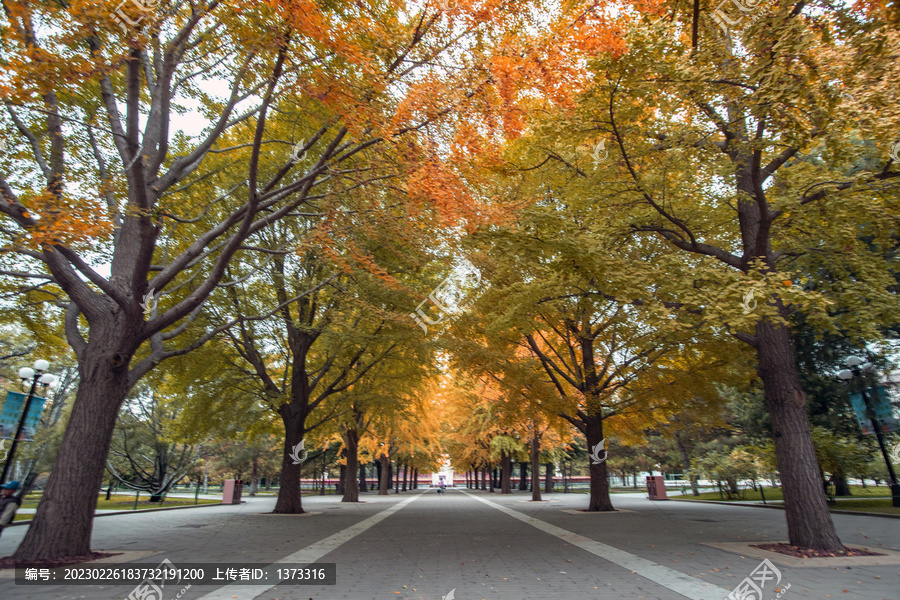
[[37, 375], [848, 374]]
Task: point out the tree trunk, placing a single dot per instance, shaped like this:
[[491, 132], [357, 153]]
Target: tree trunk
[[841, 488], [254, 476], [363, 485], [397, 479], [600, 500], [733, 490], [384, 476], [686, 463], [63, 522], [548, 478], [489, 474], [535, 469], [523, 476], [505, 474], [351, 447], [405, 476], [808, 519], [289, 494]]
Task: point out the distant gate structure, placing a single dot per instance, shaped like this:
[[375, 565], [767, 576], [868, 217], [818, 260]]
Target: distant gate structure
[[445, 474]]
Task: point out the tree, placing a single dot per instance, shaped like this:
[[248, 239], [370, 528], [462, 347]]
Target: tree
[[102, 179], [736, 159], [142, 455], [552, 305]]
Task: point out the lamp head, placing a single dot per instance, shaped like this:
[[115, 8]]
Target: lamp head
[[854, 361], [26, 373], [47, 379], [41, 365], [846, 374]]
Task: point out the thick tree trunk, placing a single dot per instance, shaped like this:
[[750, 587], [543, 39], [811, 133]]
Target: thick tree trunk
[[600, 500], [505, 474], [63, 522], [363, 485], [808, 519], [686, 463], [351, 447], [523, 476], [384, 476], [535, 469], [548, 478], [289, 495]]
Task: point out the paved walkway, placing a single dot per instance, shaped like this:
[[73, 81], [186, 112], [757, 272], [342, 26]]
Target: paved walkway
[[422, 545]]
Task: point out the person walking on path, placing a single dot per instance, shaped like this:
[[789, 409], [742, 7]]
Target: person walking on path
[[9, 503]]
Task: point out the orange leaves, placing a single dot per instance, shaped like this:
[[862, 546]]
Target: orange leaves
[[433, 183], [597, 34], [72, 222], [306, 18]]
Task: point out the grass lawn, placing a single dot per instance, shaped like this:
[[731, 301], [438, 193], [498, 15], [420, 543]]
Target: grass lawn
[[775, 494], [117, 503], [873, 506]]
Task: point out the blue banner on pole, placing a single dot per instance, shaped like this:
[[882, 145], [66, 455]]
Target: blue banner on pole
[[12, 412], [881, 406]]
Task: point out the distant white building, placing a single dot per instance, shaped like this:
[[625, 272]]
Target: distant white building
[[445, 474]]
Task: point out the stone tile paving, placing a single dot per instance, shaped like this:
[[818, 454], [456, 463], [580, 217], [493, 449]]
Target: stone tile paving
[[440, 543]]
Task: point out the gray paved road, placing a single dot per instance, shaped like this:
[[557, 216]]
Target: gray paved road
[[426, 545]]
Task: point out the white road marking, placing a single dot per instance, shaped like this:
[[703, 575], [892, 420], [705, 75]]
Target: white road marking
[[310, 554], [676, 581]]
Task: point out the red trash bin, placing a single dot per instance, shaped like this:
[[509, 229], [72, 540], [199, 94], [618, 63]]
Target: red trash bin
[[231, 491], [656, 487]]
